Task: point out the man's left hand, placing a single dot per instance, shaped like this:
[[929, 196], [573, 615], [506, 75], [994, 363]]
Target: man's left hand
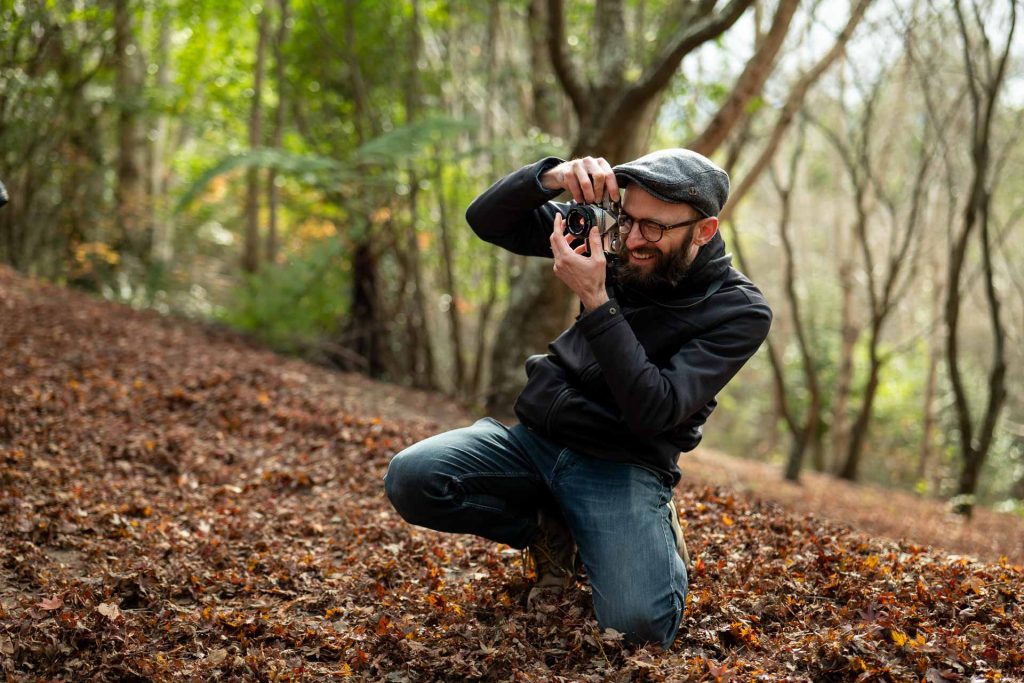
[[583, 274]]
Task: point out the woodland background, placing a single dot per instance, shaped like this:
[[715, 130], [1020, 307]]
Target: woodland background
[[299, 170]]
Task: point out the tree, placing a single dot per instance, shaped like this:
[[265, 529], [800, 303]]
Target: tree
[[806, 433], [251, 245], [985, 64], [130, 192], [889, 265], [273, 192]]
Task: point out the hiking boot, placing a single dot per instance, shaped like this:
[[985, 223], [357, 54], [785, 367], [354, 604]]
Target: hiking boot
[[677, 531], [554, 558]]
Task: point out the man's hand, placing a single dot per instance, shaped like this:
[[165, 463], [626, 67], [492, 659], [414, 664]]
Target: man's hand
[[587, 179], [584, 275]]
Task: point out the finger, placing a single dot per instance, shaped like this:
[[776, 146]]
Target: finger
[[584, 181], [596, 248], [558, 245], [597, 175], [572, 183], [611, 184]]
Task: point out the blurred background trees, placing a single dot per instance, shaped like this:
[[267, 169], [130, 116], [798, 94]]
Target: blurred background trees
[[300, 170]]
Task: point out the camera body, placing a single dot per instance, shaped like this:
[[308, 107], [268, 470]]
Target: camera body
[[605, 217]]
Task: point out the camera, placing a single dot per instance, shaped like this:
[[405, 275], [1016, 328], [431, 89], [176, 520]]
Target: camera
[[605, 217]]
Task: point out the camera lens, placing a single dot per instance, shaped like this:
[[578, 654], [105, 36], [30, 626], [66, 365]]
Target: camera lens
[[580, 220]]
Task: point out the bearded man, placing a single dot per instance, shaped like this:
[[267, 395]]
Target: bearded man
[[586, 476]]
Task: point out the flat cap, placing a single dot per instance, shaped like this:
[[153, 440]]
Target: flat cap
[[678, 176]]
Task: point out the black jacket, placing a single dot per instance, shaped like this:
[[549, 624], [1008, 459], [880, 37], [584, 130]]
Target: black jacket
[[635, 379]]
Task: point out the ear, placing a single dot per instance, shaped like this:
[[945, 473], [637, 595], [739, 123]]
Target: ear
[[706, 230]]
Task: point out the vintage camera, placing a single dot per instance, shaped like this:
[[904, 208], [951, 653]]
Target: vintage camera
[[605, 216]]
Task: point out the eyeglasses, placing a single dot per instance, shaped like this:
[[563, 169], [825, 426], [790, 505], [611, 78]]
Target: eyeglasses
[[652, 231]]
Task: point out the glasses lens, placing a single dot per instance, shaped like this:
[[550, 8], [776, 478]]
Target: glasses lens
[[651, 231]]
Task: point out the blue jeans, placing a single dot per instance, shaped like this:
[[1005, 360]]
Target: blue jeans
[[490, 480]]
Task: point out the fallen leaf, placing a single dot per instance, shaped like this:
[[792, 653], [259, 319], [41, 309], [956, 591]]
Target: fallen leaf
[[109, 610], [50, 604]]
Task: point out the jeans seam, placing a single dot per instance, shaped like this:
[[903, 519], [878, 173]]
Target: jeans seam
[[562, 463], [666, 526]]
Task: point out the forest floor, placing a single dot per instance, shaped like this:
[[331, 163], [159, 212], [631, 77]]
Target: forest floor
[[177, 503]]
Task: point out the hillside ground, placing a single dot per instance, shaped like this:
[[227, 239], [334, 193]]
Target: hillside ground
[[177, 503]]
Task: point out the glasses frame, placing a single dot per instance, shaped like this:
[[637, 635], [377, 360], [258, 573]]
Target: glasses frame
[[625, 218]]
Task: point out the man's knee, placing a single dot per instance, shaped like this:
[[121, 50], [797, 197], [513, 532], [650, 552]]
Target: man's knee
[[645, 624], [411, 484]]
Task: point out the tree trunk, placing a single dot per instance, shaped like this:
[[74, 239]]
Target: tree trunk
[[858, 432], [478, 380], [985, 87], [364, 330], [848, 335], [362, 337], [806, 436], [418, 316], [548, 111], [927, 450], [448, 259], [251, 254], [163, 243], [130, 194], [273, 192]]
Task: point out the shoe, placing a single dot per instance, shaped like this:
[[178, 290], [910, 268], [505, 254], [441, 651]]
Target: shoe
[[553, 553], [677, 531]]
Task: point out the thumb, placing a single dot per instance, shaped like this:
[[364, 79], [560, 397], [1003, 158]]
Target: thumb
[[596, 246]]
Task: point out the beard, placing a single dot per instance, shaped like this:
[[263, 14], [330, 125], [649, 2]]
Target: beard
[[668, 270]]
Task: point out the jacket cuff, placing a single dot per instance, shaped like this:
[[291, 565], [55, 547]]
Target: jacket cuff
[[540, 168], [593, 323]]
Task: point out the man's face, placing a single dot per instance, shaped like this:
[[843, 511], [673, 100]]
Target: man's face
[[665, 262]]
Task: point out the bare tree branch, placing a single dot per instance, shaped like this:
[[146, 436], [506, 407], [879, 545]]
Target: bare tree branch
[[566, 71], [685, 40], [750, 82], [792, 106]]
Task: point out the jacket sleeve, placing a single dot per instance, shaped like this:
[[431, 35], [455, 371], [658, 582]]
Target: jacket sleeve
[[516, 212], [654, 400]]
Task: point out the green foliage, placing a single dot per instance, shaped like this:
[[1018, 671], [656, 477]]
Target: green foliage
[[311, 168], [292, 304], [353, 174]]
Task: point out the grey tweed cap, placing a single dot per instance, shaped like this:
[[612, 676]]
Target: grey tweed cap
[[678, 176]]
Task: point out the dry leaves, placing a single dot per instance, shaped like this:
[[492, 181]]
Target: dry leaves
[[175, 504]]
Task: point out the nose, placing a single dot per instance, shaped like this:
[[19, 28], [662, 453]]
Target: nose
[[634, 240]]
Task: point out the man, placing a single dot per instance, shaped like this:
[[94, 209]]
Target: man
[[587, 475]]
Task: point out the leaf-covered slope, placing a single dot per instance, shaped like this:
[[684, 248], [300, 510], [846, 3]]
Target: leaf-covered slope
[[175, 504]]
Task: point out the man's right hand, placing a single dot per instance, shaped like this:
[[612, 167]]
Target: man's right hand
[[588, 180]]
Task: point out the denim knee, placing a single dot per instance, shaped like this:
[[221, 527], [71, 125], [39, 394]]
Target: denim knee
[[642, 625], [411, 485]]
